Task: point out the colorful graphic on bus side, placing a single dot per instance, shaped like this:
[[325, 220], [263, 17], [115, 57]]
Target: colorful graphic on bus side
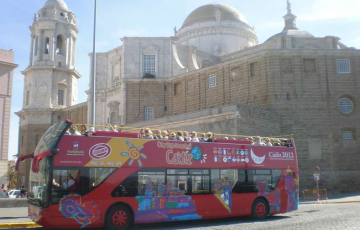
[[273, 196], [164, 203], [223, 193], [84, 214], [292, 190]]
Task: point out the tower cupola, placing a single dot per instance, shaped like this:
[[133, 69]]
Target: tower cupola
[[53, 36]]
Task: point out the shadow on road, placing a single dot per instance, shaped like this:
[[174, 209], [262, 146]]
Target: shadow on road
[[8, 218], [205, 223], [221, 222]]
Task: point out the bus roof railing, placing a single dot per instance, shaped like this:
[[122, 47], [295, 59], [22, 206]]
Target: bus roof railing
[[137, 129]]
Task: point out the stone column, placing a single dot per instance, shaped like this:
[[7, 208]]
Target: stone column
[[69, 57], [40, 45], [52, 46], [73, 51], [31, 50]]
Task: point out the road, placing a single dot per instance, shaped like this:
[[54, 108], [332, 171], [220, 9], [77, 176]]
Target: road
[[309, 216]]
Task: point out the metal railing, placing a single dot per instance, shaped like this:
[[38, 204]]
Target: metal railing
[[312, 194], [84, 127]]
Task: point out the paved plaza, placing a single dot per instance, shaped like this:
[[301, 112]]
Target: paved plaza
[[309, 216]]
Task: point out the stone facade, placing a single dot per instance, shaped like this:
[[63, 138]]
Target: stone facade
[[6, 78], [306, 104]]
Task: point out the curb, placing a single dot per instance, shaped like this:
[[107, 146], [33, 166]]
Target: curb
[[19, 225], [332, 202]]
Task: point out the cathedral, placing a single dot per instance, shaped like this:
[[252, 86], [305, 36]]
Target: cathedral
[[212, 75]]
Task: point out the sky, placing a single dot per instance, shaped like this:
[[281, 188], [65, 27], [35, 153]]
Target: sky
[[157, 18]]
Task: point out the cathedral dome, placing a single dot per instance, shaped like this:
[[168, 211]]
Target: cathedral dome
[[209, 12], [57, 3], [216, 29]]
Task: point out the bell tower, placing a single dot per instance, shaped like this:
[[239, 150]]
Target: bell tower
[[51, 80]]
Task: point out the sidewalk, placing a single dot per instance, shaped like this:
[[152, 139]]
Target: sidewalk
[[15, 218], [335, 199]]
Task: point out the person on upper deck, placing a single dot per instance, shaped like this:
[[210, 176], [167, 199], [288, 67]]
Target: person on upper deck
[[267, 142], [157, 135], [179, 135], [186, 136], [203, 138], [194, 137], [73, 131], [165, 135], [148, 134], [173, 137], [141, 133], [210, 137], [258, 141]]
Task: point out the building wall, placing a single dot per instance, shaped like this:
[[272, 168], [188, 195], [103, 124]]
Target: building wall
[[78, 113], [6, 77], [276, 81], [311, 113]]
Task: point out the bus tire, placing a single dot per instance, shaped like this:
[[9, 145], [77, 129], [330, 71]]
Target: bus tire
[[119, 217], [260, 209]]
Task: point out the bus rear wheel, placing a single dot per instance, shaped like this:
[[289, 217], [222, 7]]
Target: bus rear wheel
[[260, 209], [119, 218]]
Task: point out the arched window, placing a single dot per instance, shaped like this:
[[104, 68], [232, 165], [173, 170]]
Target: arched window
[[113, 119], [60, 97], [47, 46], [59, 45]]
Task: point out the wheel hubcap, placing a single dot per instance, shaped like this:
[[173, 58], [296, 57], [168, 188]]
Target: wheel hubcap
[[119, 218], [260, 209]]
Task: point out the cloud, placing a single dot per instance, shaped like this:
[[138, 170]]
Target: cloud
[[332, 9]]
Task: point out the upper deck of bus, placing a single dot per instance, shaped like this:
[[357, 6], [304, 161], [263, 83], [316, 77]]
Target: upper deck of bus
[[126, 150]]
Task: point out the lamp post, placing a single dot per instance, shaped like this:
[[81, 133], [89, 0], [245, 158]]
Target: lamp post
[[93, 73]]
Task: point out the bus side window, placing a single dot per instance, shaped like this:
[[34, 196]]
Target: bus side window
[[200, 181], [246, 182], [224, 180], [276, 175], [64, 182], [128, 187], [77, 181], [151, 182]]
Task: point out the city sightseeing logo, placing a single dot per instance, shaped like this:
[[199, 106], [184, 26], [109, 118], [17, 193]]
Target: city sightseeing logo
[[256, 159], [100, 151]]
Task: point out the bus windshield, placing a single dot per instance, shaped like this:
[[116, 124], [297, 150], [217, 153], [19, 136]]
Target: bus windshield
[[40, 181]]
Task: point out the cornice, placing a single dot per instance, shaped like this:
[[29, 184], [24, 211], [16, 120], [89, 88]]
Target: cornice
[[34, 68], [215, 30], [11, 65], [35, 111]]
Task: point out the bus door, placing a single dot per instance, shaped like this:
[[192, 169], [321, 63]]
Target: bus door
[[68, 188], [225, 185]]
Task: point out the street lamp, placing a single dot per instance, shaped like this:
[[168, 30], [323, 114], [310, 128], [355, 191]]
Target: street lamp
[[93, 73]]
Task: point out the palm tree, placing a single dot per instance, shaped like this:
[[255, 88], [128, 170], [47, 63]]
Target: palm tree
[[12, 177]]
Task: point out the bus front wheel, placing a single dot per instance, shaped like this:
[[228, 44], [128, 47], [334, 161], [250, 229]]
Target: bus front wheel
[[119, 218], [260, 209]]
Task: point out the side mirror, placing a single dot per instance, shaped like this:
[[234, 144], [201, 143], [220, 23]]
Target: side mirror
[[55, 151]]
